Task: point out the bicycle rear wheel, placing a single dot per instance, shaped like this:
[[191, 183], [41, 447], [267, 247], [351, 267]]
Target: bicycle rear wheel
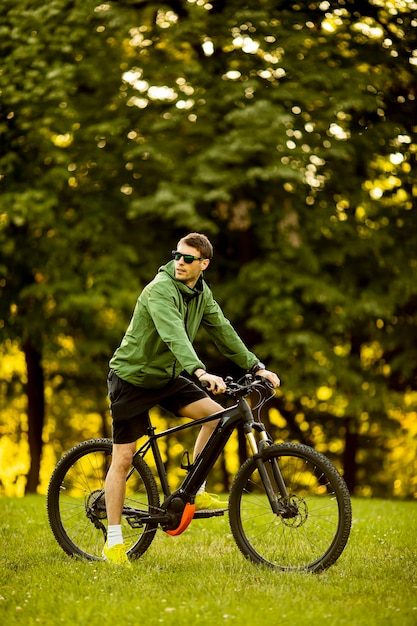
[[314, 530], [76, 505]]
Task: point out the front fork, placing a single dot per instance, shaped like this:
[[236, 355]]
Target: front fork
[[269, 470]]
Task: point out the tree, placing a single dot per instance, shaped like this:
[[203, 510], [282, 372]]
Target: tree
[[302, 195], [60, 242], [283, 130], [72, 255], [297, 142]]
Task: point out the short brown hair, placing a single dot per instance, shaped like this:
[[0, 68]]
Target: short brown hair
[[200, 242]]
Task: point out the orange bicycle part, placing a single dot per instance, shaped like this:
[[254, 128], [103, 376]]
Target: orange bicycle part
[[186, 518]]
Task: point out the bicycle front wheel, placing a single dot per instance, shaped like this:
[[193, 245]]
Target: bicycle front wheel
[[76, 504], [312, 528]]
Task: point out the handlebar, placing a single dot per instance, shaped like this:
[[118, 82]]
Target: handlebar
[[245, 385]]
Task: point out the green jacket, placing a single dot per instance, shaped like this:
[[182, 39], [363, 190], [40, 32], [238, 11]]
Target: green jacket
[[157, 345]]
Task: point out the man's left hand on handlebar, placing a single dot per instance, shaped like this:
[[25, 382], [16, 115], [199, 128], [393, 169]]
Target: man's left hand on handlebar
[[270, 377]]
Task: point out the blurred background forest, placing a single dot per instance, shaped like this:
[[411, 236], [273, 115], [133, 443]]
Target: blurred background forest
[[284, 130]]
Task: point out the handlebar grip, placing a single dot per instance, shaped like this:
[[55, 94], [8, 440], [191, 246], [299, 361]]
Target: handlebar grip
[[264, 381]]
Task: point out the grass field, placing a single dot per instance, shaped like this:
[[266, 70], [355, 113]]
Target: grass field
[[201, 577]]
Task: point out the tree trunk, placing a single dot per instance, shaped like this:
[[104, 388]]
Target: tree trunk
[[349, 454], [36, 413]]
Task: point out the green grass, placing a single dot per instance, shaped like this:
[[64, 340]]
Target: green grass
[[201, 577]]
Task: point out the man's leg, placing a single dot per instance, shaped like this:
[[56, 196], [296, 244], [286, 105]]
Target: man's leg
[[115, 486], [115, 489], [196, 410]]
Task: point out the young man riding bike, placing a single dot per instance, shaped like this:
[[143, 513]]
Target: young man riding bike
[[146, 369]]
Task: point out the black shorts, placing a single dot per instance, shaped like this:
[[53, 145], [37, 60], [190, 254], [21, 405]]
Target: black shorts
[[129, 405]]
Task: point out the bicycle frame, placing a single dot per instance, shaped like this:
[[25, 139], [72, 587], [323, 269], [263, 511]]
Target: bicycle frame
[[199, 470], [177, 509], [180, 502]]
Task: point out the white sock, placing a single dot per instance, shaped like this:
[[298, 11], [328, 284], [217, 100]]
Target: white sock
[[202, 489], [114, 535]]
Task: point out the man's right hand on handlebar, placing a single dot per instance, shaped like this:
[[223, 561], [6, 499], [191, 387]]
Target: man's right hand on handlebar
[[215, 384]]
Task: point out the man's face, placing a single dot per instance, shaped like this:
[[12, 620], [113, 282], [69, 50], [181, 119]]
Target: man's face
[[189, 273]]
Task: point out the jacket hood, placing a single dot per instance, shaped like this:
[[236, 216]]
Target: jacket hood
[[186, 291]]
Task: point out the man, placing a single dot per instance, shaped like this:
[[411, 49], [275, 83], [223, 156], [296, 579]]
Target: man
[[146, 369]]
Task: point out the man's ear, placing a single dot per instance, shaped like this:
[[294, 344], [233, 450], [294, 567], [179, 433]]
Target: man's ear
[[205, 264]]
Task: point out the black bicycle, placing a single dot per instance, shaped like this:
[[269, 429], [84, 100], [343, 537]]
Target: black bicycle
[[289, 508]]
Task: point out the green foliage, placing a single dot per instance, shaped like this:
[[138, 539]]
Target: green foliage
[[284, 130]]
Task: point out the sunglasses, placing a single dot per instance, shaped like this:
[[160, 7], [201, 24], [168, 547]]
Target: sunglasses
[[188, 258]]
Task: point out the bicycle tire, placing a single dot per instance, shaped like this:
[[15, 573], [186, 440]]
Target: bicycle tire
[[77, 486], [310, 540]]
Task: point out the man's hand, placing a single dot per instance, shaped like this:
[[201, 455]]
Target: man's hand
[[270, 377], [216, 384]]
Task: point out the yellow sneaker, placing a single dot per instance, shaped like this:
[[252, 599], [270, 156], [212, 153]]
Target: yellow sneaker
[[207, 501], [116, 555]]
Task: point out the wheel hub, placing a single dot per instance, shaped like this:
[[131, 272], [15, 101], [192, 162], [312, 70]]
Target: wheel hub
[[296, 512]]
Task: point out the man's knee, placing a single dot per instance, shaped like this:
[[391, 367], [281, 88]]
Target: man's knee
[[122, 455], [201, 408]]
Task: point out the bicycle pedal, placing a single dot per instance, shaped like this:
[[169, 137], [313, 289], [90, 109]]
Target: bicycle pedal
[[205, 513], [134, 522]]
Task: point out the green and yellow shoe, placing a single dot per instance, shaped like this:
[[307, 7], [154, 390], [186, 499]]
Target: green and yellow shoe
[[116, 555], [208, 502]]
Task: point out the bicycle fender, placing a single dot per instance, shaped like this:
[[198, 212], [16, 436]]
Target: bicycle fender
[[186, 518]]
